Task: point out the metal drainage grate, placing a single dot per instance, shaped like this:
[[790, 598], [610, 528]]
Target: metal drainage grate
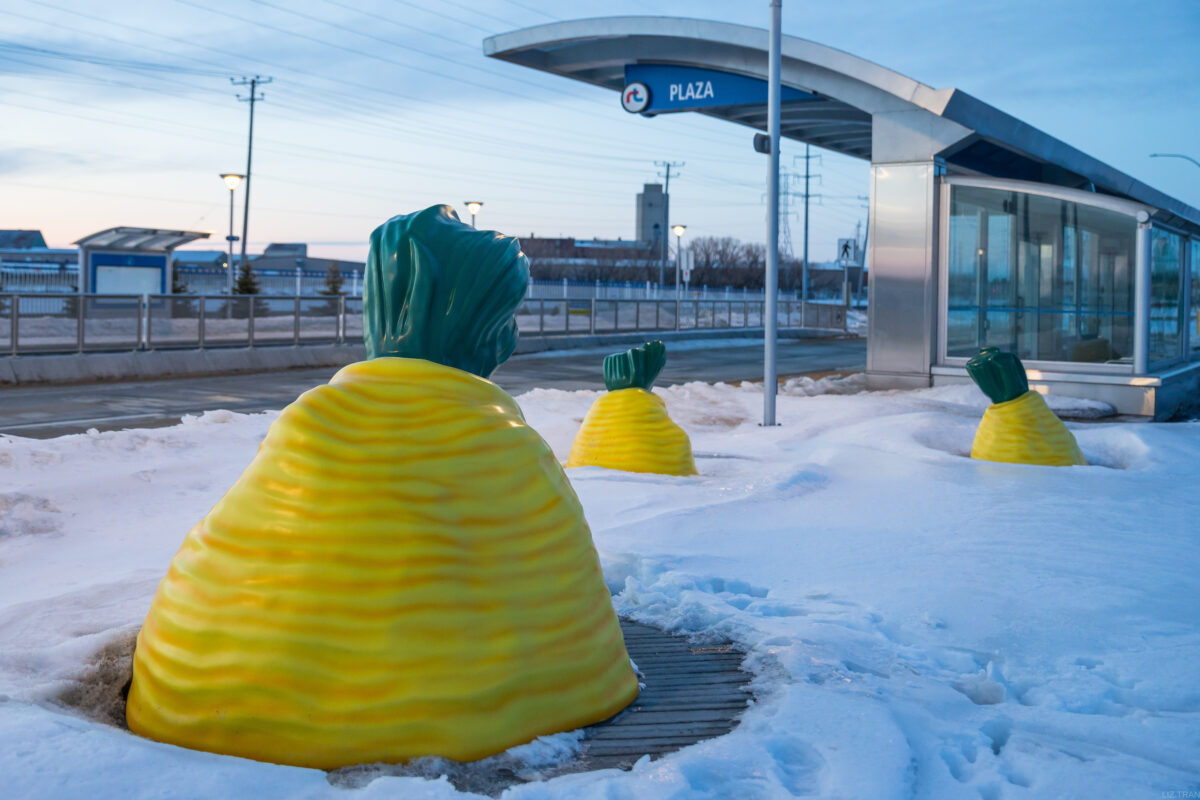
[[690, 693]]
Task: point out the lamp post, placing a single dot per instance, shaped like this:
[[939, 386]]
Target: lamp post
[[1175, 155], [232, 181], [473, 206], [678, 231]]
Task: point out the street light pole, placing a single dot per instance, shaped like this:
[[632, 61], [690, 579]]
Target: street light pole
[[1175, 155], [771, 284], [678, 231], [232, 179], [473, 206]]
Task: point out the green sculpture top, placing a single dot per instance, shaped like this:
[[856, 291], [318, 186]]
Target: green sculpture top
[[999, 374], [436, 288], [636, 367]]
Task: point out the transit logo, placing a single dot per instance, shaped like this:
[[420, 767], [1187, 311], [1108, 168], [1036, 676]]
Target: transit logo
[[635, 97]]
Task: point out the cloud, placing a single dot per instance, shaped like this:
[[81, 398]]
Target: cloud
[[17, 160]]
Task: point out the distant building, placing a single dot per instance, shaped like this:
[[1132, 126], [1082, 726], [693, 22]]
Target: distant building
[[26, 264], [200, 259], [286, 250], [652, 214], [586, 259], [21, 240], [284, 257]]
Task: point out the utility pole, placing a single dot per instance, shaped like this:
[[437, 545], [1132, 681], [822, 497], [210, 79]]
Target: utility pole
[[808, 157], [668, 166], [254, 97], [771, 282]]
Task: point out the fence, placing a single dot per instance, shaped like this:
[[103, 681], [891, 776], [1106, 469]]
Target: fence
[[626, 316], [286, 283], [628, 290], [44, 323]]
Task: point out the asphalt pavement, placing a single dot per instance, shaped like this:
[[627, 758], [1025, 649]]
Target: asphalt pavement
[[43, 412]]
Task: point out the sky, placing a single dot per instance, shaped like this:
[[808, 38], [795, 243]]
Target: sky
[[123, 113]]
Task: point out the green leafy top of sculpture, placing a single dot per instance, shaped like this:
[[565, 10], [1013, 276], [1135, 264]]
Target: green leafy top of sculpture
[[635, 368], [1000, 374], [436, 288]]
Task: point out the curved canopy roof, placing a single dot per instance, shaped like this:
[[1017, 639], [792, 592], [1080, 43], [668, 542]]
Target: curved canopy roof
[[852, 105], [125, 238]]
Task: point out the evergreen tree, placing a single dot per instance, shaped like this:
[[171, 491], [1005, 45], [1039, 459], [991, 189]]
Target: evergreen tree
[[332, 289], [333, 282], [246, 281]]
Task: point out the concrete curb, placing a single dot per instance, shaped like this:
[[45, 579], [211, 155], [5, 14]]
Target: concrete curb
[[155, 364]]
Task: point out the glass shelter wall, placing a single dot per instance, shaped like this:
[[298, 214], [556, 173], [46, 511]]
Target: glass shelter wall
[[1048, 279], [1166, 296], [1194, 313]]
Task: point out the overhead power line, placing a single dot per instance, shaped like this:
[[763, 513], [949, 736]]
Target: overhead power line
[[101, 61]]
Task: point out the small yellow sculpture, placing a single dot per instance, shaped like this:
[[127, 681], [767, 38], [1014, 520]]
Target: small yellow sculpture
[[1018, 427], [628, 428], [404, 569]]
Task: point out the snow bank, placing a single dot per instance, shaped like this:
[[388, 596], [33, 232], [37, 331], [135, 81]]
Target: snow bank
[[918, 624]]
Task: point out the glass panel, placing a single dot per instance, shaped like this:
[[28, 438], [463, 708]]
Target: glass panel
[[1047, 279], [1194, 266], [1166, 297]]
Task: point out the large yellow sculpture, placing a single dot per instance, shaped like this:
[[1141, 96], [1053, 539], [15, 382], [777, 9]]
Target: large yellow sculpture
[[403, 570], [627, 428], [1018, 427]]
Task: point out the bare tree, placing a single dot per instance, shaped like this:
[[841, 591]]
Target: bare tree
[[753, 256]]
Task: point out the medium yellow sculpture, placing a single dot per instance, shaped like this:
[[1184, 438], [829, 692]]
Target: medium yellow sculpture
[[403, 570], [1018, 427], [627, 428]]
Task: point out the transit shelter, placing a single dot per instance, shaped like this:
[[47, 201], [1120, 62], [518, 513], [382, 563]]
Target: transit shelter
[[984, 231]]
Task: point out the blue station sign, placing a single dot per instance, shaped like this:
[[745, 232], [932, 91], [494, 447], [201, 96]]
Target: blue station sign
[[659, 88]]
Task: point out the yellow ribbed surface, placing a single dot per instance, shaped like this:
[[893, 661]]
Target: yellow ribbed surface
[[403, 570], [629, 429], [1025, 431]]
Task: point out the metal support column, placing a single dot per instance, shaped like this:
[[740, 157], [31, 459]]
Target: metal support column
[[770, 381], [1141, 297], [79, 316], [15, 322]]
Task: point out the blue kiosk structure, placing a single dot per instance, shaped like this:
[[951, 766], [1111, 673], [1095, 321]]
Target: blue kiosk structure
[[129, 261]]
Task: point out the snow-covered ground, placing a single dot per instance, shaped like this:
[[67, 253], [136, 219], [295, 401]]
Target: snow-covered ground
[[919, 624]]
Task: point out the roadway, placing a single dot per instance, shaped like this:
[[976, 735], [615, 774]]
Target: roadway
[[42, 412]]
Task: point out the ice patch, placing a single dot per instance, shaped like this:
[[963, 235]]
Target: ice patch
[[807, 387], [488, 776], [984, 688], [217, 417], [27, 515]]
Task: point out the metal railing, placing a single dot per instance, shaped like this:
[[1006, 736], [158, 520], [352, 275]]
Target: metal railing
[[624, 316], [41, 323]]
